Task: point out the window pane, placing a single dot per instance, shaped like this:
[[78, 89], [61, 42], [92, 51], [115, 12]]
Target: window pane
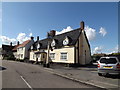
[[63, 56], [108, 61], [52, 56]]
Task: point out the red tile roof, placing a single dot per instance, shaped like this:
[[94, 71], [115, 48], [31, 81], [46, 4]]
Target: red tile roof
[[15, 48], [24, 43]]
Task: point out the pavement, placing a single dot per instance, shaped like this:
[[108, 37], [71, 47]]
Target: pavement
[[87, 75]]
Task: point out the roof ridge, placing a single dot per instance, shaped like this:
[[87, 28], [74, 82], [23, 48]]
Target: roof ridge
[[24, 43], [68, 31], [60, 34]]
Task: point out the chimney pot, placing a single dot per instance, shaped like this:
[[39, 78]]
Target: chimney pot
[[18, 43], [82, 25], [37, 38], [10, 43], [32, 38], [52, 33]]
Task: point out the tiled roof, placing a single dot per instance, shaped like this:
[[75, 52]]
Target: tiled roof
[[15, 48], [24, 43], [7, 47], [73, 35]]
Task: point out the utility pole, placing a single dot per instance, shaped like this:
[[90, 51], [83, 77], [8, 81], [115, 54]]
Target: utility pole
[[48, 52]]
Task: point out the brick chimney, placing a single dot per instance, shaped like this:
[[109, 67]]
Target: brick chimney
[[37, 38], [10, 43], [82, 25], [52, 33], [18, 43], [32, 38]]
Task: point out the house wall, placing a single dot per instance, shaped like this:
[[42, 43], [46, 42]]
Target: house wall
[[33, 56], [24, 51], [68, 50], [21, 51], [27, 47], [84, 50], [15, 54]]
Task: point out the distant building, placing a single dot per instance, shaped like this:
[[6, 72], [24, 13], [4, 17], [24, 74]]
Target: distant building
[[6, 51], [71, 47], [19, 51], [22, 51], [99, 54], [14, 50]]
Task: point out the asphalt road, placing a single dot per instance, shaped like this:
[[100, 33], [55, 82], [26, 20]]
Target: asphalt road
[[24, 75]]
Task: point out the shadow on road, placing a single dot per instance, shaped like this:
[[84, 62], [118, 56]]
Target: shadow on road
[[2, 68], [113, 76]]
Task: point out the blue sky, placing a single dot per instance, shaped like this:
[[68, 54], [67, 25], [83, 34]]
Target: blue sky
[[23, 19]]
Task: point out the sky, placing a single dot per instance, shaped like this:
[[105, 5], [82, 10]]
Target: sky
[[21, 20]]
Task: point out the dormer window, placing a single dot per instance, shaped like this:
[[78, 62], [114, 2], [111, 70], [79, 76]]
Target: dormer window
[[53, 43], [38, 46], [66, 41]]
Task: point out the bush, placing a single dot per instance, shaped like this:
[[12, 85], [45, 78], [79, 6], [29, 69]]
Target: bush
[[11, 57]]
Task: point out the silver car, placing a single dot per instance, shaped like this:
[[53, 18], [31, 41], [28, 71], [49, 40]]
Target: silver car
[[108, 65]]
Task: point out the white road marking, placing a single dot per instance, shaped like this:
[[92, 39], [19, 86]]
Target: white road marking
[[26, 83]]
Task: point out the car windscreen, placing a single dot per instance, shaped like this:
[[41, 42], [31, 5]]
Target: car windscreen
[[108, 60]]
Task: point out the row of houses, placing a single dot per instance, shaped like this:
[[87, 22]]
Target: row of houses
[[71, 47]]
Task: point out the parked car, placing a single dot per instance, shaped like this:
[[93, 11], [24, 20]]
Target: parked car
[[108, 65]]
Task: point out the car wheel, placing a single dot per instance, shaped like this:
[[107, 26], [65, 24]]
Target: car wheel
[[100, 74]]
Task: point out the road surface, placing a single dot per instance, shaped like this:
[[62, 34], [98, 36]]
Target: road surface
[[24, 75]]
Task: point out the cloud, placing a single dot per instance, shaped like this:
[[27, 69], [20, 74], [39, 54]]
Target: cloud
[[30, 34], [98, 49], [102, 31], [90, 32], [7, 40], [64, 30], [21, 37], [116, 49]]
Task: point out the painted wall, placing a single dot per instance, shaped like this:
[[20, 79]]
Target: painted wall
[[15, 54], [21, 51], [68, 50], [27, 48], [24, 50], [34, 56]]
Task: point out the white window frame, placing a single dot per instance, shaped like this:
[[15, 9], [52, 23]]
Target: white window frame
[[53, 43], [52, 56], [38, 46], [33, 56], [31, 47], [61, 56], [66, 41], [21, 55]]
